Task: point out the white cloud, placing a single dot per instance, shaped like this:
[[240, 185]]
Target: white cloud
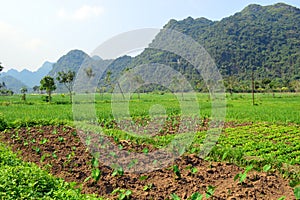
[[18, 49], [34, 44], [7, 30], [83, 13], [15, 37]]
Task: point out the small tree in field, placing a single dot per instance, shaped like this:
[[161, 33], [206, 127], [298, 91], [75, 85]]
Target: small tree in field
[[47, 83], [67, 79], [23, 91]]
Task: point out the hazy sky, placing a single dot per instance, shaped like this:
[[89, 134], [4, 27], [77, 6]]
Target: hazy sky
[[35, 31]]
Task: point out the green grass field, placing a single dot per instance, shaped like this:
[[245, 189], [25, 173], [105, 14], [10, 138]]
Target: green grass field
[[283, 108]]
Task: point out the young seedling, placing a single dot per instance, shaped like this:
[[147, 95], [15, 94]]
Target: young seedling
[[96, 173], [123, 194], [148, 187], [243, 176], [196, 196], [44, 141], [146, 151], [61, 139], [266, 168], [176, 171], [174, 196], [54, 155], [210, 191], [142, 178], [118, 170]]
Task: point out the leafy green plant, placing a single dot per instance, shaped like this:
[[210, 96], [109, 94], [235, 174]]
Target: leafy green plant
[[44, 141], [146, 151], [266, 168], [196, 196], [243, 176], [176, 171], [123, 194], [96, 174], [297, 192], [3, 123], [54, 155], [118, 170], [36, 149], [210, 191], [142, 178], [43, 157], [147, 187], [61, 139]]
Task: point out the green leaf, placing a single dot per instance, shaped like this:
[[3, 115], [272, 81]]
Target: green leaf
[[297, 192], [236, 177], [194, 170], [210, 191], [175, 197], [143, 178], [243, 177], [96, 173], [196, 196], [266, 168]]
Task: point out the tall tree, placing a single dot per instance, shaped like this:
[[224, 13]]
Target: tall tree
[[67, 78], [47, 83]]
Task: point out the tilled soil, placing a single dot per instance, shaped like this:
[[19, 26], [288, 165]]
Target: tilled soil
[[60, 150]]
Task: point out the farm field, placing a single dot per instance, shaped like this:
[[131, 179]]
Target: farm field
[[257, 155]]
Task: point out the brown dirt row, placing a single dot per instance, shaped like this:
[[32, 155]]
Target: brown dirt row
[[60, 150]]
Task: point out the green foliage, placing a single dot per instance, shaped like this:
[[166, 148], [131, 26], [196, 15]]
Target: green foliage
[[196, 196], [297, 192], [96, 174], [48, 84], [210, 190], [174, 196], [176, 171], [20, 180], [238, 48], [123, 194], [266, 168], [67, 78], [3, 123], [147, 187], [242, 176], [118, 170]]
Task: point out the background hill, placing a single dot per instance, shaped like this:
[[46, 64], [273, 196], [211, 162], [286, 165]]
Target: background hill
[[263, 40], [29, 78], [12, 84]]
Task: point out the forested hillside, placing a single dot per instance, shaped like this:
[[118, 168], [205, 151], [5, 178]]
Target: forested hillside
[[262, 39], [259, 41]]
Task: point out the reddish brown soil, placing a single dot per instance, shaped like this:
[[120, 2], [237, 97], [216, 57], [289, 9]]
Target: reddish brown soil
[[60, 150]]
